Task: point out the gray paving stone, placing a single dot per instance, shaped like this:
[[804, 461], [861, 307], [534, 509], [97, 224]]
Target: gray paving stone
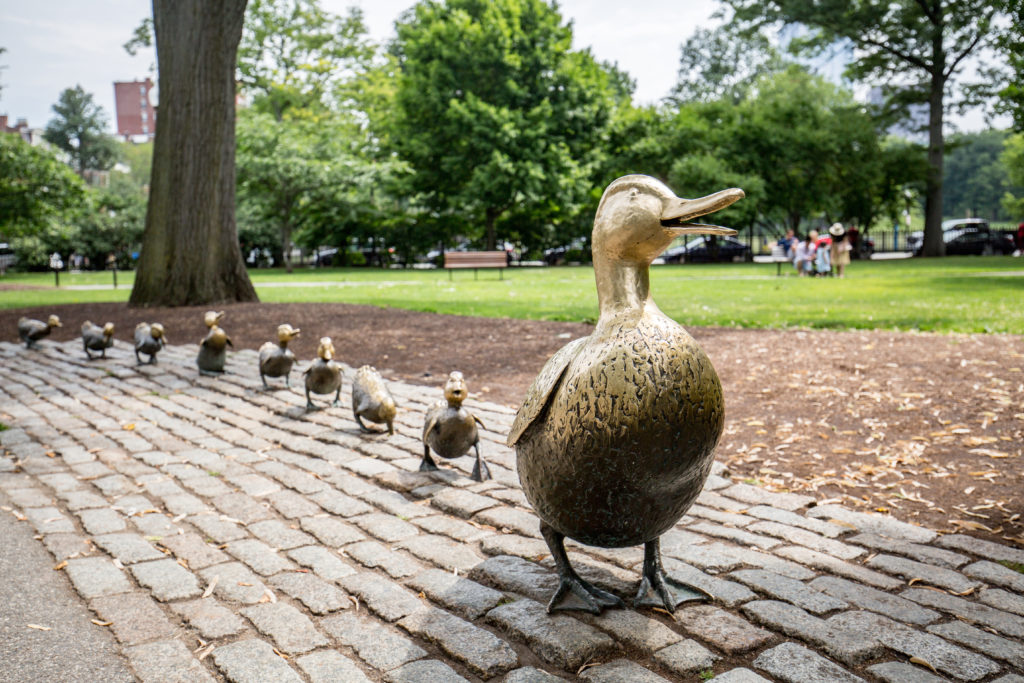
[[424, 671], [194, 550], [279, 535], [210, 618], [372, 554], [66, 546], [93, 577], [1000, 599], [728, 593], [383, 597], [82, 500], [259, 556], [477, 649], [252, 661], [242, 507], [686, 658], [154, 526], [317, 595], [396, 504], [915, 551], [725, 631], [291, 630], [166, 580], [759, 496], [442, 552], [520, 521], [328, 666], [773, 514], [633, 629], [996, 574], [947, 658], [461, 502], [340, 503], [127, 548], [529, 674], [619, 671], [733, 534], [184, 504], [1004, 622], [807, 539], [516, 575], [293, 505], [331, 531], [461, 595], [217, 528], [851, 647], [1011, 651], [166, 661], [557, 639], [740, 675], [719, 516], [719, 557], [386, 528], [323, 562], [789, 590], [1009, 678], [48, 520], [873, 523], [135, 617], [513, 544], [830, 564], [381, 647], [929, 574], [794, 663], [898, 672], [114, 485], [33, 498], [453, 528], [253, 484], [874, 600], [984, 549], [235, 582]]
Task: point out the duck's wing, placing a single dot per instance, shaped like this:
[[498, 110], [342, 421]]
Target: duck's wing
[[479, 422], [542, 388]]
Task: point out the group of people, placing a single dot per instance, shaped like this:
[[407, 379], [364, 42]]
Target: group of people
[[819, 255]]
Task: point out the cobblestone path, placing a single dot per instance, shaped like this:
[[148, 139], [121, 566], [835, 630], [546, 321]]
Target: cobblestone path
[[222, 533]]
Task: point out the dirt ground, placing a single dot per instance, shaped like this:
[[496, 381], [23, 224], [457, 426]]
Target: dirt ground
[[928, 428]]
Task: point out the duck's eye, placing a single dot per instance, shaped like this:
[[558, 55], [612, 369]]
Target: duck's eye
[[634, 193]]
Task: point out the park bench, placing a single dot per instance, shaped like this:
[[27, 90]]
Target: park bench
[[778, 257], [475, 260]]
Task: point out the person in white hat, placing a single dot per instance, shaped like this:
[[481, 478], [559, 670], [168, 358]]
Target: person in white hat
[[840, 248]]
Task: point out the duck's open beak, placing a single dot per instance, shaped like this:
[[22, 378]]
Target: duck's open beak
[[678, 212]]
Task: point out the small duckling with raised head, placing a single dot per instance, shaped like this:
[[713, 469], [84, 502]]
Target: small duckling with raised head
[[372, 400], [31, 330], [96, 338], [616, 436], [213, 349], [323, 375], [276, 360], [450, 430], [149, 339]]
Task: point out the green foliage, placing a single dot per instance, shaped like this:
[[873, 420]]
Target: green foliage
[[975, 177], [1013, 158], [78, 130], [113, 223], [36, 191], [717, 64]]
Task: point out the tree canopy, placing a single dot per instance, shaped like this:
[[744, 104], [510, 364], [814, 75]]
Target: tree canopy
[[79, 130], [35, 188]]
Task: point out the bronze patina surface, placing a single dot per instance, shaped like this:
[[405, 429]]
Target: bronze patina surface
[[213, 349], [450, 430], [96, 338], [371, 399], [616, 435], [323, 375], [276, 360], [31, 330], [149, 339]]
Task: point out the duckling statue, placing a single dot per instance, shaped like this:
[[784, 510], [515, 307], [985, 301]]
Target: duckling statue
[[450, 429], [615, 438], [31, 330], [96, 338], [323, 375], [276, 360], [213, 349], [148, 340], [372, 400]]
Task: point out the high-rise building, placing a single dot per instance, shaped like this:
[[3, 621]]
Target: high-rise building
[[136, 112]]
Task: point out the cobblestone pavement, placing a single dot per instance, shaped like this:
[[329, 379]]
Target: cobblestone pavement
[[223, 533]]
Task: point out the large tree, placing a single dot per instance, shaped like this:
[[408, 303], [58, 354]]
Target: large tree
[[190, 252], [79, 130], [915, 47], [35, 188]]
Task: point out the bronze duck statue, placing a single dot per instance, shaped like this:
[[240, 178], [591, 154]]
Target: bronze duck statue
[[276, 360], [372, 400], [615, 438], [450, 430], [31, 330], [213, 349], [323, 375], [96, 338], [149, 339]]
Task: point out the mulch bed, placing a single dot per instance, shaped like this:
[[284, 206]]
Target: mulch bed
[[928, 428]]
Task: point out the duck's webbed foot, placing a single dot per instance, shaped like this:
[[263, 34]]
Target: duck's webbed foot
[[363, 428], [658, 589], [480, 471], [593, 599], [428, 464]]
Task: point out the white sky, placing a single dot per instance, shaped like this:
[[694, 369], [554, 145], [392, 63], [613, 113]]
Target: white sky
[[57, 44]]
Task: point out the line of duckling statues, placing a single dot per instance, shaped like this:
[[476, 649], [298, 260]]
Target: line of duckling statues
[[449, 429]]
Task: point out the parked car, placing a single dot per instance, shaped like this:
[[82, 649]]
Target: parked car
[[971, 236], [708, 249]]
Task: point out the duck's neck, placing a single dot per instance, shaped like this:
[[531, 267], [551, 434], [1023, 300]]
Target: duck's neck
[[622, 287]]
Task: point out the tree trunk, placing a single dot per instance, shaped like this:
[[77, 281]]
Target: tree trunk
[[933, 244], [490, 237], [190, 253]]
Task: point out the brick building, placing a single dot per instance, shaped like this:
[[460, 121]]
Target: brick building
[[136, 114]]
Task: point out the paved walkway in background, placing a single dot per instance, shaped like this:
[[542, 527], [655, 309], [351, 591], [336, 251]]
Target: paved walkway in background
[[222, 533]]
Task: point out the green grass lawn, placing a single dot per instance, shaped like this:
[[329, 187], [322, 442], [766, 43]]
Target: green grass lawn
[[963, 294]]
